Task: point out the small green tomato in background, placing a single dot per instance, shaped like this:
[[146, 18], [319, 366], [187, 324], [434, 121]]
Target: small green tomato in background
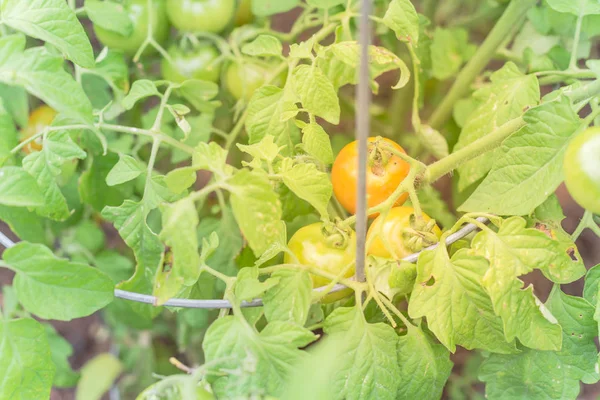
[[201, 15], [196, 63], [242, 80], [138, 14], [328, 253], [582, 169], [244, 14]]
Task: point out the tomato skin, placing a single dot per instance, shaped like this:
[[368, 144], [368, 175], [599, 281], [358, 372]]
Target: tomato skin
[[381, 180], [311, 248], [139, 15], [397, 219], [244, 14], [582, 169], [242, 80], [196, 63], [200, 15], [39, 119]]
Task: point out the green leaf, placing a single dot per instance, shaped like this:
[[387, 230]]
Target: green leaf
[[45, 167], [308, 183], [575, 7], [180, 179], [434, 141], [264, 8], [112, 67], [317, 93], [514, 251], [266, 149], [450, 49], [118, 267], [26, 364], [449, 294], [248, 287], [199, 94], [368, 358], [340, 61], [60, 351], [140, 89], [290, 299], [54, 288], [264, 361], [179, 224], [97, 376], [264, 118], [52, 21], [19, 189], [127, 169], [93, 184], [9, 138], [263, 45], [316, 143], [592, 280], [402, 18], [43, 75], [257, 209], [424, 366], [15, 102], [211, 157], [110, 16], [26, 224], [529, 166], [130, 220], [509, 93], [548, 374]]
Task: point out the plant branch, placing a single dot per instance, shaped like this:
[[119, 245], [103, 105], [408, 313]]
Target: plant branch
[[512, 16], [447, 164]]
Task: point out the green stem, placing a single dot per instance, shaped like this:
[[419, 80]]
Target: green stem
[[151, 161], [585, 92], [486, 143], [573, 61], [513, 16]]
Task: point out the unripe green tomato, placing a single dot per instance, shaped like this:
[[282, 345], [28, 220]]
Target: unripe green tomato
[[201, 15], [312, 248], [197, 63], [242, 80], [582, 169], [138, 14]]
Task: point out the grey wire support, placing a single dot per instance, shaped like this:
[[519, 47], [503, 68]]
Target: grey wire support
[[219, 303]]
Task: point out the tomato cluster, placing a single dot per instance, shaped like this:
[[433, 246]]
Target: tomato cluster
[[197, 61], [395, 234]]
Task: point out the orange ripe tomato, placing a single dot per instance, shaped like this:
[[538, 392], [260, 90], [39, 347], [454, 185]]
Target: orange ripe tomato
[[397, 230], [385, 171], [39, 119]]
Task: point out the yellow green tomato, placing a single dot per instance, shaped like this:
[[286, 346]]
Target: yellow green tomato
[[196, 63], [331, 254], [201, 15], [582, 169], [139, 15], [242, 79]]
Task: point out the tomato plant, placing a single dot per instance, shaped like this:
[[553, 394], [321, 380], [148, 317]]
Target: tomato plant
[[582, 169], [190, 185]]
